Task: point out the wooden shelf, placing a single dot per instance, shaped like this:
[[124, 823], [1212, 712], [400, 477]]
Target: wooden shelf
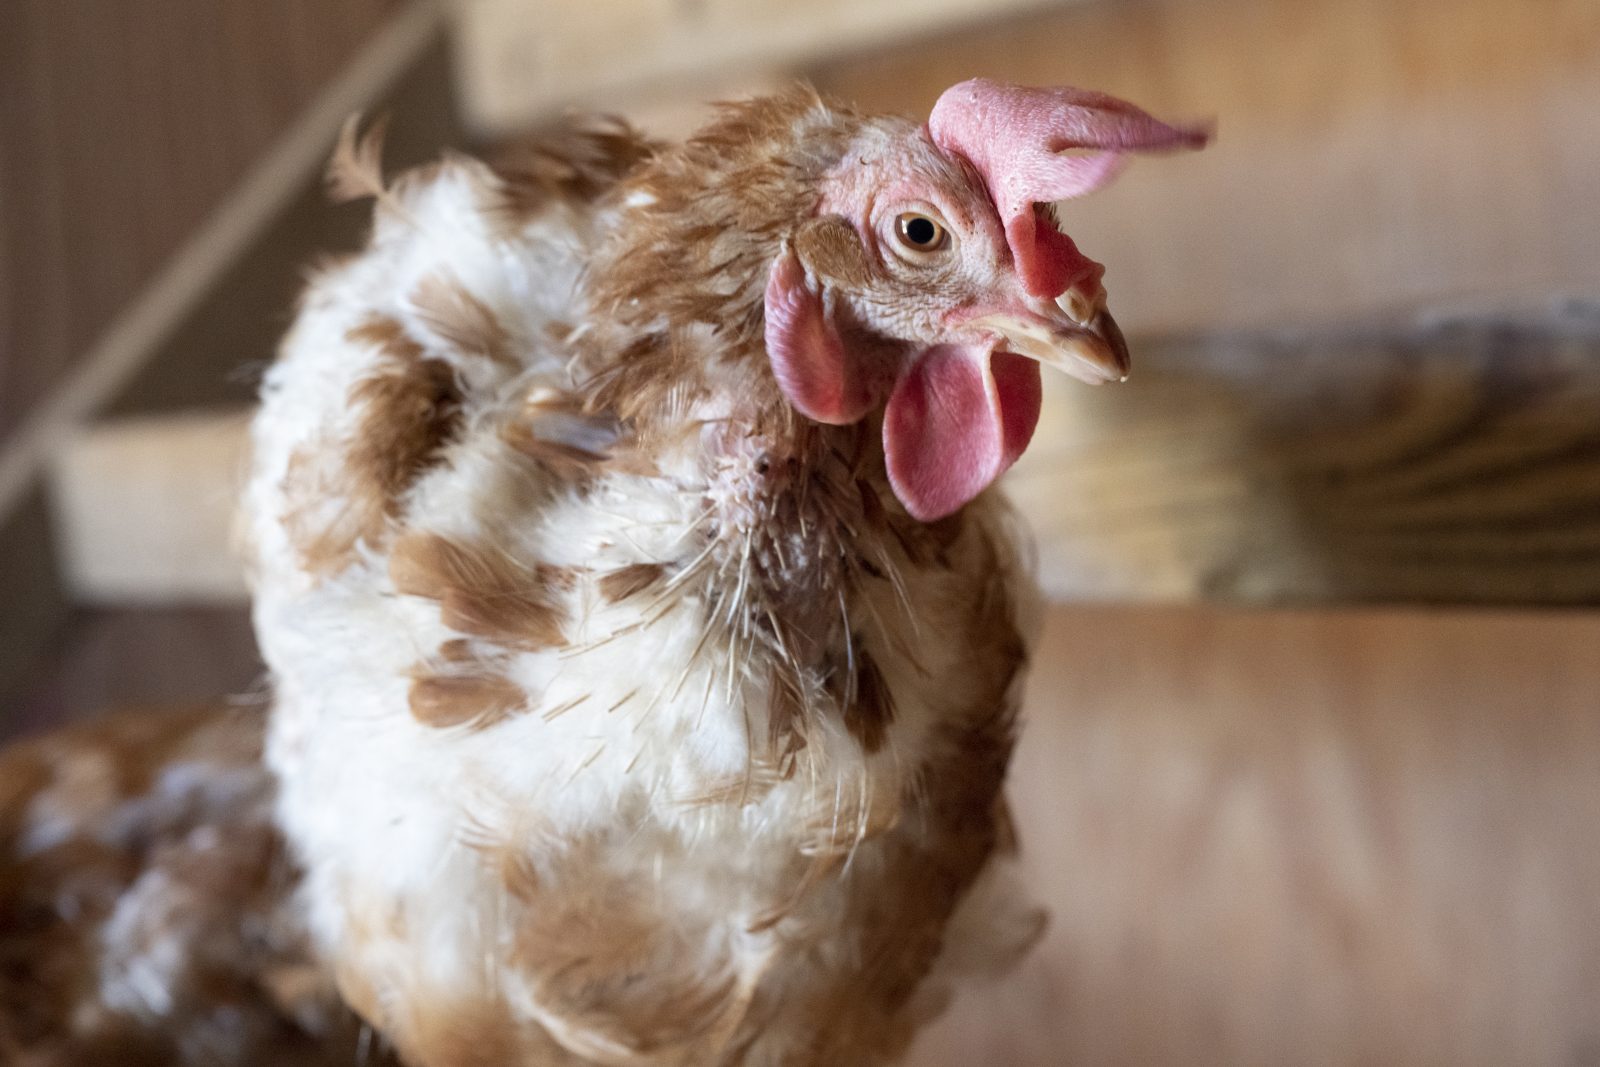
[[1455, 461]]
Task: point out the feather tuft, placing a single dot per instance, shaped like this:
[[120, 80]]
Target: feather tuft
[[460, 319], [869, 715], [355, 172]]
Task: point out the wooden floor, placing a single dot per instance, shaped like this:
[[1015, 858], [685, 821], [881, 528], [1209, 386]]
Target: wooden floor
[[1325, 838], [1334, 837]]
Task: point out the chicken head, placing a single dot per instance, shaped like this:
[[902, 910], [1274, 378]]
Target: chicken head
[[933, 280]]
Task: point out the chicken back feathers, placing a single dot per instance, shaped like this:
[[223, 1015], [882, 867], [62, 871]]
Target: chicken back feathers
[[645, 646], [147, 915]]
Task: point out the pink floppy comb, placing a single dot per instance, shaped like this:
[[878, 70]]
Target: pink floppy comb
[[1013, 135]]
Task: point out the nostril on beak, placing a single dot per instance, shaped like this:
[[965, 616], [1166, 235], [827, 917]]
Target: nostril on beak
[[1080, 307]]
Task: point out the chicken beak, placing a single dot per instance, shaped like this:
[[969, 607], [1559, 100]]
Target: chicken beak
[[1076, 335]]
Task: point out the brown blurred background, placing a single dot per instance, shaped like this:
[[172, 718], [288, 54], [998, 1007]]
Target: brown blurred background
[[1312, 772]]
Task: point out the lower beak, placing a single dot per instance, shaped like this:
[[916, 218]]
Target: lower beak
[[1079, 337]]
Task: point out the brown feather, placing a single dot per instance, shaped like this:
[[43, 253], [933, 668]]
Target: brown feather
[[630, 581], [461, 320], [477, 700], [576, 160], [622, 972], [563, 461], [869, 715], [450, 1030], [480, 590], [555, 430], [830, 248], [712, 215]]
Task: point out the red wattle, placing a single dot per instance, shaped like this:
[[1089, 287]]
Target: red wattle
[[957, 419]]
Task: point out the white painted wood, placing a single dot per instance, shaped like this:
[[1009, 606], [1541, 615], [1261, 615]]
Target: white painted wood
[[144, 510]]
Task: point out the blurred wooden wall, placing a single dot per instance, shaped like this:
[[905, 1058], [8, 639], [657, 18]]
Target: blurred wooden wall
[[159, 198], [122, 126], [520, 61]]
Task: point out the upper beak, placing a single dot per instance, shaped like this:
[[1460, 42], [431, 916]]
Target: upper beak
[[1076, 335]]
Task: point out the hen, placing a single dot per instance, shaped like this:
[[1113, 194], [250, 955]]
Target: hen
[[645, 642]]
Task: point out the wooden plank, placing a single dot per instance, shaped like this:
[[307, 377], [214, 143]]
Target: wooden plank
[[1448, 462], [1373, 155], [1290, 838], [520, 60]]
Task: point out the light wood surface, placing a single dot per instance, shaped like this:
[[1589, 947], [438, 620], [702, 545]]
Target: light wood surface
[[521, 60], [1304, 838], [1455, 461]]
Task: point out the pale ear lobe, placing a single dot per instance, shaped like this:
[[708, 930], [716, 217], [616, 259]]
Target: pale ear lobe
[[831, 249], [808, 357]]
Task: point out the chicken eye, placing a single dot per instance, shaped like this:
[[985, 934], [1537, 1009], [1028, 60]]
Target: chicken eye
[[919, 233]]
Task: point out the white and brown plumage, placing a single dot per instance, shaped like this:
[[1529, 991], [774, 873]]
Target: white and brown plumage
[[633, 704], [146, 909]]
